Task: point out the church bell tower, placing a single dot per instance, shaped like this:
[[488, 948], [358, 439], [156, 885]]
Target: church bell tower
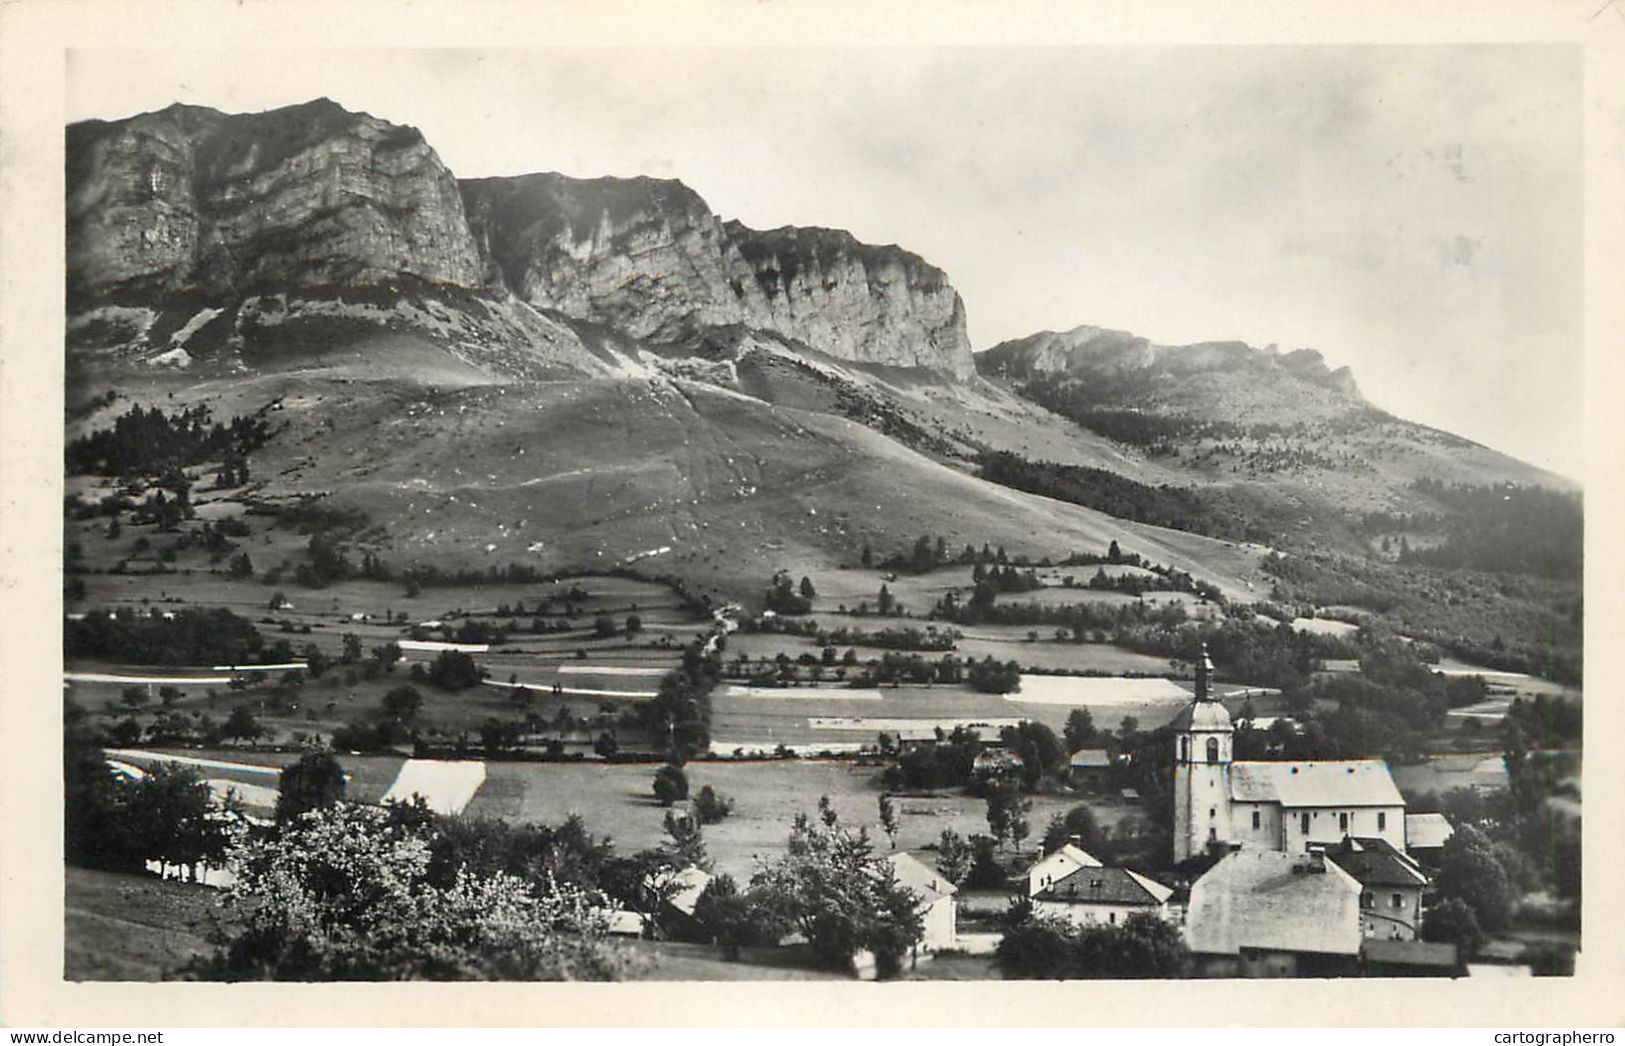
[[1203, 752]]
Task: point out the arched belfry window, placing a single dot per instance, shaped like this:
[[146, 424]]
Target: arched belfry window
[[1184, 749], [1213, 749]]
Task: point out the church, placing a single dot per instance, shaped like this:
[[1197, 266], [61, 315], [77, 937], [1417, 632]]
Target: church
[[1285, 806]]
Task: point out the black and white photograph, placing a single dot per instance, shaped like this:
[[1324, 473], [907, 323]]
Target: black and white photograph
[[822, 513]]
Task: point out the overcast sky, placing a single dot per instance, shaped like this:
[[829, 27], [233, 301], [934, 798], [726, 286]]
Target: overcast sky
[[1414, 213]]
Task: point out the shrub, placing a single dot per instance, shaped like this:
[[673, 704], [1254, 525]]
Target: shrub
[[670, 785], [454, 670], [1452, 921], [710, 806]]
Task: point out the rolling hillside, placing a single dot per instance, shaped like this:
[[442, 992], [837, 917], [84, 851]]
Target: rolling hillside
[[571, 374]]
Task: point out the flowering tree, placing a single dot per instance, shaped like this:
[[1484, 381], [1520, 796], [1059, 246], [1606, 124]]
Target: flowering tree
[[344, 893], [834, 889]]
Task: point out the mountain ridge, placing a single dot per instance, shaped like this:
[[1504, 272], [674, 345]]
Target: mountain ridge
[[1087, 348], [384, 270], [189, 200]]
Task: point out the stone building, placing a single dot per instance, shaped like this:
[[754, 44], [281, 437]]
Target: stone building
[[1285, 806]]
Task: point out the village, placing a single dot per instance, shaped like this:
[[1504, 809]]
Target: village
[[1218, 866], [1032, 764], [491, 576]]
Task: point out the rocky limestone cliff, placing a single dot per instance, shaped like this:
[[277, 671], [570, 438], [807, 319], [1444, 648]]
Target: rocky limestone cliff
[[191, 200], [196, 204], [648, 257], [1086, 351]]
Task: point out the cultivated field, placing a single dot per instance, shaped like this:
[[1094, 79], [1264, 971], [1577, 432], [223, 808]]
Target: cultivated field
[[1513, 682], [576, 669], [1440, 773], [1324, 626], [369, 776], [617, 800]]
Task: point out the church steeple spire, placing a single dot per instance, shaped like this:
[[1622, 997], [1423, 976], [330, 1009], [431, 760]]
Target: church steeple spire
[[1204, 676]]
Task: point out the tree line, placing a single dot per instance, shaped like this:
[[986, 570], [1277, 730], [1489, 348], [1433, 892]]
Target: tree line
[[1181, 508], [146, 441]]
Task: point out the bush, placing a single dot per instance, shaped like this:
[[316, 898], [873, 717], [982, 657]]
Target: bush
[[1142, 946], [454, 670], [403, 703], [710, 806], [1452, 922], [670, 785]]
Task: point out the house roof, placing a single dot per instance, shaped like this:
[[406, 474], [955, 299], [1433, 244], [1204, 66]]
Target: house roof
[[1106, 886], [1410, 953], [1062, 861], [686, 885], [1377, 865], [921, 878], [622, 922], [1427, 831], [1276, 901], [1332, 782], [1090, 759]]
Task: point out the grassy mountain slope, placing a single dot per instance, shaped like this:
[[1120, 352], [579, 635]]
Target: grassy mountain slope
[[459, 469], [1281, 432]]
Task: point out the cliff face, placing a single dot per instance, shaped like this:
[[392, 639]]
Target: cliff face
[[192, 200], [650, 258], [1096, 353]]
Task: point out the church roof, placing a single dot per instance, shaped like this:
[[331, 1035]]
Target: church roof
[[1331, 782]]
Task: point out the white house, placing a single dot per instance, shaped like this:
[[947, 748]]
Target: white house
[[1286, 806], [1265, 913], [1092, 896], [936, 906], [1391, 888], [1055, 866]]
